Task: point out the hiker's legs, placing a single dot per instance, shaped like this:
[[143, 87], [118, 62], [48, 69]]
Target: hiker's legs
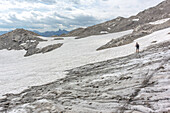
[[137, 50]]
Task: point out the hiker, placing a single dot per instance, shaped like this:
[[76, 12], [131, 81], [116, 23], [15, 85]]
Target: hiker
[[137, 47]]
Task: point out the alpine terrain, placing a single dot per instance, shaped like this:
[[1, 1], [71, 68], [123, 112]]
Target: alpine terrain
[[90, 70]]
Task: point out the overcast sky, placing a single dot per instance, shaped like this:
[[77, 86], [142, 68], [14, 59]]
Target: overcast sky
[[51, 15]]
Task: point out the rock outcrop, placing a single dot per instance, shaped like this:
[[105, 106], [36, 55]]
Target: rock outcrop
[[158, 12], [130, 84], [58, 38], [20, 39], [33, 50], [14, 39]]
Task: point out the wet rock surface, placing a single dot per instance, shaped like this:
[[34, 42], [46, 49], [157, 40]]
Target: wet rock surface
[[135, 83]]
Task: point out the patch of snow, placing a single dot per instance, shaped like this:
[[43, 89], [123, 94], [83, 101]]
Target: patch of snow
[[159, 21], [50, 41], [23, 44], [111, 75], [45, 38], [161, 8], [1, 108], [103, 32], [159, 36], [109, 28], [32, 40], [141, 108], [137, 19], [113, 24]]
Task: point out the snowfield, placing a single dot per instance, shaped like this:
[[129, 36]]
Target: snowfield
[[18, 72]]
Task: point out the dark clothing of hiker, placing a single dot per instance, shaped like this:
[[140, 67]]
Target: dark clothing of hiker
[[137, 47]]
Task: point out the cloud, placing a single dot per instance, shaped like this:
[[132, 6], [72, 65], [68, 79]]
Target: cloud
[[46, 15]]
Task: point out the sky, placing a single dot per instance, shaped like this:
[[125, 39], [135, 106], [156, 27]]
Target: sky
[[51, 15]]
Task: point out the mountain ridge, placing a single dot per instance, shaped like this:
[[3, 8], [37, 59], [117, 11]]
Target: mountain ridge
[[118, 24], [52, 33], [45, 34]]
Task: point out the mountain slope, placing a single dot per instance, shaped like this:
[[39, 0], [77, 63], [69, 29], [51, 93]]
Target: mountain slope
[[158, 12]]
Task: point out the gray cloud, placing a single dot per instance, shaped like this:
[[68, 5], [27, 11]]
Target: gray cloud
[[74, 1], [33, 23], [54, 14], [38, 1]]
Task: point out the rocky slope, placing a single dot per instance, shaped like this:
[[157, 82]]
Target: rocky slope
[[20, 39], [140, 31], [130, 84], [13, 39], [158, 12]]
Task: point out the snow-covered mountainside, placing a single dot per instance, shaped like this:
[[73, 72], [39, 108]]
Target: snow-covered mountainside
[[121, 81]]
